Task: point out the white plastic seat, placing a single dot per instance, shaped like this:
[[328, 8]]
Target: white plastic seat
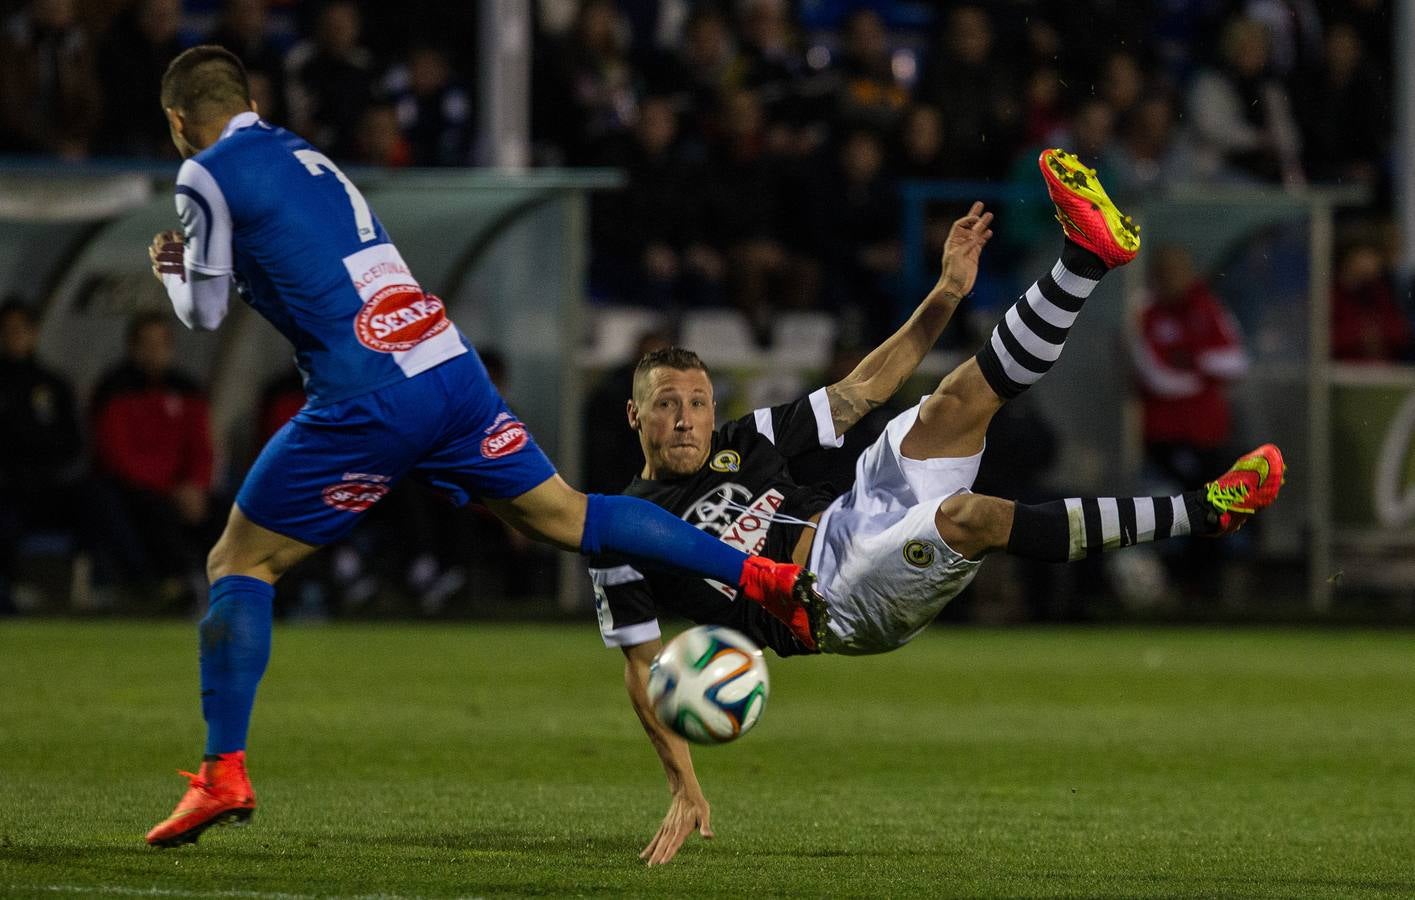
[[804, 338]]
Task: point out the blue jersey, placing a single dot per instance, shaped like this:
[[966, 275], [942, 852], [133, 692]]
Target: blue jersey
[[309, 255]]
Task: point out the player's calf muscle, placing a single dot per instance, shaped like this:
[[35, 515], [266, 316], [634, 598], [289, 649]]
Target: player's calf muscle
[[973, 524]]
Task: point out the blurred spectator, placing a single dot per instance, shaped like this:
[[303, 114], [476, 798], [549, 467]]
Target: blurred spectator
[[1088, 134], [1366, 323], [244, 29], [1372, 21], [1187, 349], [592, 90], [1148, 156], [1345, 113], [134, 54], [49, 95], [1042, 114], [40, 446], [772, 56], [705, 65], [153, 460], [1294, 32], [330, 81], [745, 213], [381, 141], [920, 151], [857, 225], [647, 239], [1122, 84], [434, 109], [1240, 114], [612, 454], [871, 94], [976, 90]]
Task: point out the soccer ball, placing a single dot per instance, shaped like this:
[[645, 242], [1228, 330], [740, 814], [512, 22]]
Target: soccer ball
[[709, 684]]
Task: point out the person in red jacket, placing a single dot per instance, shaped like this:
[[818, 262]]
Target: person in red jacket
[[1367, 325], [152, 462], [1187, 350]]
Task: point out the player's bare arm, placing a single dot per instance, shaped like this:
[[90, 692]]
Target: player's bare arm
[[688, 810], [881, 374]]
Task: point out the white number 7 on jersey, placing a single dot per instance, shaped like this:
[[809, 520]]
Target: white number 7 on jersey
[[317, 164]]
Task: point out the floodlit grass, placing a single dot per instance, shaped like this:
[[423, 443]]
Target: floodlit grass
[[485, 760]]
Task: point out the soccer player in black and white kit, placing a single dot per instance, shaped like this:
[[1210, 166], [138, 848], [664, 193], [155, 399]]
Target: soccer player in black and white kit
[[909, 535]]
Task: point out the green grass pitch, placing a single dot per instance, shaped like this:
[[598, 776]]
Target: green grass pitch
[[414, 761]]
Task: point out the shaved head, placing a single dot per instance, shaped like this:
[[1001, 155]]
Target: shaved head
[[206, 83]]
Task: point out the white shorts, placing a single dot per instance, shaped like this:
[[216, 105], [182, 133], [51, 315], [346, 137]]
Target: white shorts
[[883, 568]]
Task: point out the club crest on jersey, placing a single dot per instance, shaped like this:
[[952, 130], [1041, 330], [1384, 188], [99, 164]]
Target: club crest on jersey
[[505, 440], [919, 554], [357, 492], [400, 317], [726, 461]]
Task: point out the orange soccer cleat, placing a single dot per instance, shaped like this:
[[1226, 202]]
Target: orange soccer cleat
[[789, 593], [219, 794], [1087, 215], [1249, 485]]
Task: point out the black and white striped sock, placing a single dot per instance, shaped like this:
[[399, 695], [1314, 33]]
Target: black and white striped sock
[[1029, 339], [1071, 529]]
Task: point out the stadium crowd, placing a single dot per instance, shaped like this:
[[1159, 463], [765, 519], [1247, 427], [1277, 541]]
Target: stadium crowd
[[764, 142]]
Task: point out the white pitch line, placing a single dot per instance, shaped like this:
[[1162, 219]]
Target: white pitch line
[[113, 891]]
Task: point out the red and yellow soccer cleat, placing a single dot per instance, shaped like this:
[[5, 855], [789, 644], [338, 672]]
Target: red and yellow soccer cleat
[[217, 795], [1250, 485], [789, 593], [1087, 215]]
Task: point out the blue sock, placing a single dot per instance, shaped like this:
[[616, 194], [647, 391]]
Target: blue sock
[[235, 646], [636, 528]]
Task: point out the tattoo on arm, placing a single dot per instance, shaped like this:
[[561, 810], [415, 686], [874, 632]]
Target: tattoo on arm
[[848, 405]]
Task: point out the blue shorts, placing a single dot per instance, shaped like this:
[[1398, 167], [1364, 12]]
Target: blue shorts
[[446, 427]]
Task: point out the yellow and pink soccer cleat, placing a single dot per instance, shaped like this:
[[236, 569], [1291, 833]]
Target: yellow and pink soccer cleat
[[1087, 215], [1250, 485]]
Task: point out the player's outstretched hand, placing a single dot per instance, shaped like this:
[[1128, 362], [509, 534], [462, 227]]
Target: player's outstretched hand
[[686, 813], [168, 255], [962, 250]]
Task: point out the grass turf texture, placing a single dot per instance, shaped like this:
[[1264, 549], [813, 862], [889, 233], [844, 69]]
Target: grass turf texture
[[421, 761]]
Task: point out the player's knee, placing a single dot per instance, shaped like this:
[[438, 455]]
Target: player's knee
[[227, 558], [971, 524], [218, 562]]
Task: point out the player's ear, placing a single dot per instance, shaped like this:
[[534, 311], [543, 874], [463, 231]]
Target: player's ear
[[632, 412]]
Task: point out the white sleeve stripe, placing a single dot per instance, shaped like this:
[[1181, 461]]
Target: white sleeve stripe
[[825, 422], [615, 576], [1076, 529], [1071, 283], [206, 218], [1227, 362], [1110, 523], [1144, 519], [1181, 517], [630, 635], [764, 426]]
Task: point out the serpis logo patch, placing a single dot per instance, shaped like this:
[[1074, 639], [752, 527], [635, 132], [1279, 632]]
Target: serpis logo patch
[[506, 440], [400, 317], [354, 496]]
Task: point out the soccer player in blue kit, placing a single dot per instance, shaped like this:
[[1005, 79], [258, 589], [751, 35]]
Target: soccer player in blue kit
[[394, 391]]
